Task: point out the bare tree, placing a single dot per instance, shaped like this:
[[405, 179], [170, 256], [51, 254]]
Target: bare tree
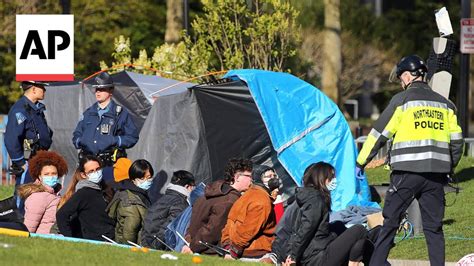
[[174, 20], [361, 61], [332, 52]]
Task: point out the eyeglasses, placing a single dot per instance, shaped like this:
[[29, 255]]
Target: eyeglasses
[[92, 171], [271, 176], [249, 176]]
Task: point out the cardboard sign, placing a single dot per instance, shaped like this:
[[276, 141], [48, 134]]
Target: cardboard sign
[[45, 47]]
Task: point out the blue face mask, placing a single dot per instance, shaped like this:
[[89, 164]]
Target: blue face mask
[[50, 181], [145, 185], [332, 184], [95, 177]]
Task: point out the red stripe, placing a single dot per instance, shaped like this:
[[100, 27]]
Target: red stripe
[[45, 77]]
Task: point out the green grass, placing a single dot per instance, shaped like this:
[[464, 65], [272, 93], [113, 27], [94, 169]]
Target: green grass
[[458, 220], [6, 191], [37, 251], [458, 224]]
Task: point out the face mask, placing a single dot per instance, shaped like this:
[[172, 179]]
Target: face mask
[[50, 181], [274, 183], [332, 184], [95, 177], [145, 185]]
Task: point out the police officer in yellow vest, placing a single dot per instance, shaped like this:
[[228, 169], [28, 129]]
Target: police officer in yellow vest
[[427, 145]]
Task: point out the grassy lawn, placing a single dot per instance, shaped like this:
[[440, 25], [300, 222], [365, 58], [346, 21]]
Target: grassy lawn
[[36, 251], [458, 228], [458, 221], [5, 191]]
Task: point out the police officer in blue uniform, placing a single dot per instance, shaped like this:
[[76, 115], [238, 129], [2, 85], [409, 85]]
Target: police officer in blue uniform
[[105, 129], [27, 131]]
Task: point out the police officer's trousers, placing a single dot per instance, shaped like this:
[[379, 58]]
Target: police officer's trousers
[[25, 178], [427, 188]]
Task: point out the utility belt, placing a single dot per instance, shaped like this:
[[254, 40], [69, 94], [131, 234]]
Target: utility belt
[[30, 147], [108, 158]]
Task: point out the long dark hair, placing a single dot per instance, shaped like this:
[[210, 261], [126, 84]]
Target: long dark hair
[[316, 175], [77, 176]]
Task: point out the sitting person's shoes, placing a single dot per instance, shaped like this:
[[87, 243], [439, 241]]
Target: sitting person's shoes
[[269, 258]]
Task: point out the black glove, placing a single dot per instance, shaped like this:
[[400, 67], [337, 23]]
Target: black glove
[[16, 169]]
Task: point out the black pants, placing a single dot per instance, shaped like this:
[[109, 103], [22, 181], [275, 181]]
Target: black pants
[[349, 246], [427, 188]]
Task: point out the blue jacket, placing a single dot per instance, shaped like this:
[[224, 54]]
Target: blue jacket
[[26, 121], [95, 134]]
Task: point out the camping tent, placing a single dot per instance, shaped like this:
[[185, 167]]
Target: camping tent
[[66, 101], [137, 92], [272, 118]]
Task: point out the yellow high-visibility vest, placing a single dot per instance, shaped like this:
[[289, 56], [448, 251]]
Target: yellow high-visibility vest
[[424, 129]]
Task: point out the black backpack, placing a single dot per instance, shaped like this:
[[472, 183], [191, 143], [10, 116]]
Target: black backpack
[[10, 216]]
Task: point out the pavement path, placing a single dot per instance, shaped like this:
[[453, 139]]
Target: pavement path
[[416, 263]]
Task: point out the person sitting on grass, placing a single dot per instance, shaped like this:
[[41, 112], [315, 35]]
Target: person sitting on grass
[[167, 208], [41, 198], [82, 209], [251, 223], [209, 213], [311, 242], [129, 206]]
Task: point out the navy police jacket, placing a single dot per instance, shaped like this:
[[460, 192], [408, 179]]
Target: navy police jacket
[[26, 121], [96, 134]]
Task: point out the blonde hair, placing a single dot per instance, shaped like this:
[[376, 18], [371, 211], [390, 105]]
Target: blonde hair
[[24, 191]]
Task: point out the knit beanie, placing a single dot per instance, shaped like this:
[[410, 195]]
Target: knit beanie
[[121, 169], [258, 171]]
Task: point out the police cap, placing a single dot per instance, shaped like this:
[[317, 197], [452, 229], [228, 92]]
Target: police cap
[[103, 81], [30, 83]]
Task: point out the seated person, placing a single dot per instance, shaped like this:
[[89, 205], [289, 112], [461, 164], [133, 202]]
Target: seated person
[[271, 180], [41, 196], [129, 206], [209, 213], [311, 242], [82, 209], [166, 208], [251, 222]]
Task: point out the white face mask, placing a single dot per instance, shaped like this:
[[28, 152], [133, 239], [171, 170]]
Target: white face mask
[[95, 177], [332, 184], [145, 185]]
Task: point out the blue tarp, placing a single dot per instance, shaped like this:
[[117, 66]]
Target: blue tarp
[[305, 127]]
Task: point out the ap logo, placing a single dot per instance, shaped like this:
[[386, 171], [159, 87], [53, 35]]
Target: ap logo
[[45, 47]]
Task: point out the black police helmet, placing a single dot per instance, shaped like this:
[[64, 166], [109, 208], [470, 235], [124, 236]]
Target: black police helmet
[[413, 64], [103, 81], [30, 83]]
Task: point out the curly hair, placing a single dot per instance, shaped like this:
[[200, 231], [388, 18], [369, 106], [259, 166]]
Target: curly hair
[[236, 165], [45, 158]]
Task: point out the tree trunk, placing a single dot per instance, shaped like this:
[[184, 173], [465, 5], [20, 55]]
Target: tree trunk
[[332, 53], [174, 20]]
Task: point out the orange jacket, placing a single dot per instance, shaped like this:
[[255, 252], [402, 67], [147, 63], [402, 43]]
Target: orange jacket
[[251, 224]]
